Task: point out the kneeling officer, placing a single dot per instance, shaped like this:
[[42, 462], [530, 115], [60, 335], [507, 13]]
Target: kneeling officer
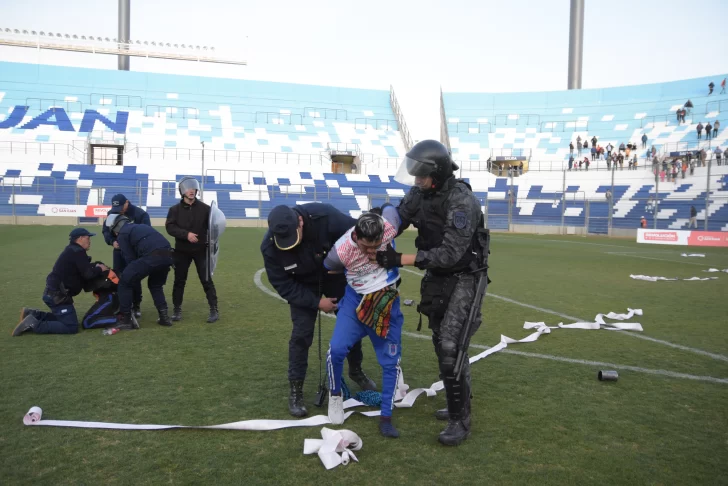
[[65, 281]]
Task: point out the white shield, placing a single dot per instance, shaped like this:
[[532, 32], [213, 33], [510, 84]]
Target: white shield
[[214, 231]]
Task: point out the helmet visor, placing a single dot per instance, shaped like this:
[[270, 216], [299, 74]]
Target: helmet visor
[[187, 184], [115, 222], [411, 168]]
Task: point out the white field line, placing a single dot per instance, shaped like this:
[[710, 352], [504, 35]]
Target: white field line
[[672, 374], [715, 356]]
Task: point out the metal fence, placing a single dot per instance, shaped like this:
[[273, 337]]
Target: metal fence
[[571, 211]]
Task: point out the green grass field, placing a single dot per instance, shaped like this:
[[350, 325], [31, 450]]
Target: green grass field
[[538, 418]]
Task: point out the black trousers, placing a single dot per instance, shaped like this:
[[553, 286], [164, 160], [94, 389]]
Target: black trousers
[[182, 261], [304, 330]]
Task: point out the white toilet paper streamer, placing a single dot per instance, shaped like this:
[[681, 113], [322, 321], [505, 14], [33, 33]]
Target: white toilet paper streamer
[[655, 279], [716, 270], [404, 398], [693, 255], [335, 447]]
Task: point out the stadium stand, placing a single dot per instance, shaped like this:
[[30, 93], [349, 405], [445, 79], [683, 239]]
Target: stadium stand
[[273, 143]]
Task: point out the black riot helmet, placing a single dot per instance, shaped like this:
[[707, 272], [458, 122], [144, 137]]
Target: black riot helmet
[[188, 183], [428, 158], [117, 221]]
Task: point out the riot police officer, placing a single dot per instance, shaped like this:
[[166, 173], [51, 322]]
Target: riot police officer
[[121, 205], [72, 269], [452, 247], [188, 222], [294, 249], [148, 254]]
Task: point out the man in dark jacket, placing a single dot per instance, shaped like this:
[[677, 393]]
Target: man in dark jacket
[[121, 205], [188, 222], [294, 249], [148, 254], [72, 269], [452, 247]]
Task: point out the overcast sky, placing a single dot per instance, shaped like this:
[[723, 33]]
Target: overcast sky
[[417, 46]]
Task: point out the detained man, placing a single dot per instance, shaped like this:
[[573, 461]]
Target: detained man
[[370, 307]]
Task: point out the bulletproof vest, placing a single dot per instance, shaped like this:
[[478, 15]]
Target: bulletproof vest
[[430, 220]]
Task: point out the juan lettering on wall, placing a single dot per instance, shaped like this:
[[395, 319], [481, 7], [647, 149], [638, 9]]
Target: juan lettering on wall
[[59, 118]]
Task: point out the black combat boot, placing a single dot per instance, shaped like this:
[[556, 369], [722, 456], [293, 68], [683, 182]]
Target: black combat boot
[[360, 378], [163, 318], [177, 314], [126, 322], [137, 310], [214, 314], [458, 424], [295, 400]]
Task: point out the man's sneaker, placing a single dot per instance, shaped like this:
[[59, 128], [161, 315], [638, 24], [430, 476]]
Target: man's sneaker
[[177, 314], [27, 324], [137, 311], [336, 409]]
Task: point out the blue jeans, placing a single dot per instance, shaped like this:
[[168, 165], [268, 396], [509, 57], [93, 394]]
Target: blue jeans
[[62, 319], [349, 330]]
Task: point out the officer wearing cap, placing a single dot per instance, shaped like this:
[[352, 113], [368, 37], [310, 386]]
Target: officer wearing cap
[[452, 247], [293, 249], [121, 205], [148, 254], [72, 269]]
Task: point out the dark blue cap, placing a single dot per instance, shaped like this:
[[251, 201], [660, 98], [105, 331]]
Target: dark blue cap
[[118, 201], [78, 232], [283, 223]]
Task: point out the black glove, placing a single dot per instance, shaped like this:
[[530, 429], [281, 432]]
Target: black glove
[[389, 258]]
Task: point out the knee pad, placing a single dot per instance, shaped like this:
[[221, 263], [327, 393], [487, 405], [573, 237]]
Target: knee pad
[[448, 355]]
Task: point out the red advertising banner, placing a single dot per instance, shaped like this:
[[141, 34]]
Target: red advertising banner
[[682, 237]]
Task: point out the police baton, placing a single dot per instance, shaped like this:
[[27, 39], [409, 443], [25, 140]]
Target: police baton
[[474, 308]]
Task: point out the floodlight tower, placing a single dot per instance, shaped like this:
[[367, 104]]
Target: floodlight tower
[[576, 43], [124, 32]]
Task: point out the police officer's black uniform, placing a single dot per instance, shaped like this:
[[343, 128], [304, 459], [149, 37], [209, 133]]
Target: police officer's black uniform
[[72, 269], [182, 219], [452, 243], [298, 275], [137, 216]]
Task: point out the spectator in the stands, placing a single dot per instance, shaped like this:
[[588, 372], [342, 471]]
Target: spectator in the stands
[[699, 128], [609, 162], [683, 112], [586, 144], [634, 161], [580, 164], [620, 159], [610, 147], [725, 155], [644, 140], [578, 147], [710, 87], [674, 173], [722, 86], [716, 126], [703, 157], [662, 175], [578, 138], [520, 169], [608, 195], [571, 161], [689, 106], [692, 166], [571, 148], [594, 152], [594, 140], [683, 168], [693, 218], [586, 163], [654, 151], [678, 112], [718, 154], [643, 222], [708, 131], [621, 147], [631, 164]]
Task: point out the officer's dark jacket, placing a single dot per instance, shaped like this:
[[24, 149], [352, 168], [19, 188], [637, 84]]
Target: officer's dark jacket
[[447, 220], [137, 216], [72, 268], [183, 218], [139, 240], [293, 273]]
